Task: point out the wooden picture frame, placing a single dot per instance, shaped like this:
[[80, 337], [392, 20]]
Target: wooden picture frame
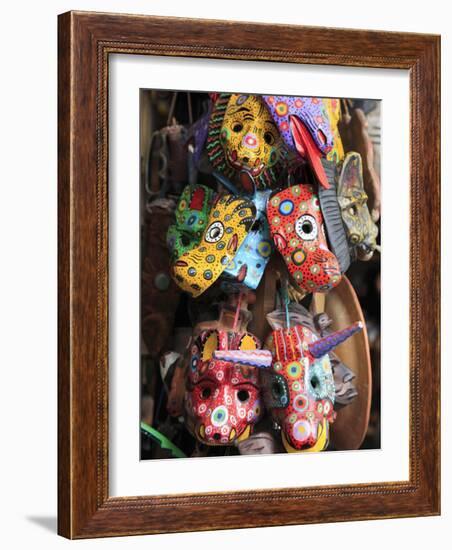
[[86, 40]]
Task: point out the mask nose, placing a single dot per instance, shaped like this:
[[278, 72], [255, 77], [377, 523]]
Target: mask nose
[[250, 141], [327, 260]]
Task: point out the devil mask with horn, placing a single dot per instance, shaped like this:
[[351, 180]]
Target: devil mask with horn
[[222, 400], [298, 389]]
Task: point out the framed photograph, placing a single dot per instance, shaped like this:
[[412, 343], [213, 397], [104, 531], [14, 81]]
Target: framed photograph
[[248, 275]]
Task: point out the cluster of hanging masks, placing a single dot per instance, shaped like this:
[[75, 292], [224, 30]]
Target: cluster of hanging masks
[[255, 146], [231, 380], [281, 185]]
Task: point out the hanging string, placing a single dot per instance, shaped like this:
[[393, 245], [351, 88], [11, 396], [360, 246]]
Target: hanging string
[[172, 108], [237, 313], [226, 182], [284, 289], [287, 314]]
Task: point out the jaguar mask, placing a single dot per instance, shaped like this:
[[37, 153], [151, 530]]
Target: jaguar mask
[[296, 225], [230, 221], [299, 387], [360, 228], [222, 401], [244, 142]]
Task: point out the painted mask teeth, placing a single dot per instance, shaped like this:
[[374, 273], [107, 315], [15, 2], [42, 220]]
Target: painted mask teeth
[[256, 171]]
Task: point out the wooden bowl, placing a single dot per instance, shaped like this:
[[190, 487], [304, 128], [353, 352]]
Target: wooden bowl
[[342, 306]]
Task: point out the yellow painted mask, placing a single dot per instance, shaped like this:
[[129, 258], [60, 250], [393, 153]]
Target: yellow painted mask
[[229, 223], [361, 230], [243, 139]]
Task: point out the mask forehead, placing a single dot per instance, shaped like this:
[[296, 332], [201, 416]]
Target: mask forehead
[[296, 225], [242, 105], [313, 112]]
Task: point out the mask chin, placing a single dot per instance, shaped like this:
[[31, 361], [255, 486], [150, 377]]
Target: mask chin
[[320, 445]]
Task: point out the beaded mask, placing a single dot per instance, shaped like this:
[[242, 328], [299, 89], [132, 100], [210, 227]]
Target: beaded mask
[[222, 400], [296, 225], [244, 141], [299, 388]]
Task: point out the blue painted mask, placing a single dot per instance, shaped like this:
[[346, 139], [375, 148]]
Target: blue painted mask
[[248, 265]]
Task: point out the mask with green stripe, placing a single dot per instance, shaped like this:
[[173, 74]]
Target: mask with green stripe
[[244, 143]]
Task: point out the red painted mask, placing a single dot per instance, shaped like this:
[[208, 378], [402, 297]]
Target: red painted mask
[[299, 388], [296, 225], [222, 400]]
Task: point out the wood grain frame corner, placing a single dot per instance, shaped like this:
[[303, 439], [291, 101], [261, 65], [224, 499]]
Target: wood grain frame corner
[[85, 42]]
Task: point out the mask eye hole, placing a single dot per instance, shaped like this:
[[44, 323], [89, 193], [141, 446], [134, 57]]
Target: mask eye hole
[[206, 392], [315, 382], [318, 383], [269, 138], [237, 127], [277, 392], [306, 228], [214, 232], [243, 395]]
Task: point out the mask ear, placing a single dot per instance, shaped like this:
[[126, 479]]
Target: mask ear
[[209, 346], [275, 390], [248, 343], [351, 175]]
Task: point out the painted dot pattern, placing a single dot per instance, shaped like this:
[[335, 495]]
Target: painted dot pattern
[[217, 412], [309, 383], [197, 269], [190, 219], [313, 112], [313, 267]]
